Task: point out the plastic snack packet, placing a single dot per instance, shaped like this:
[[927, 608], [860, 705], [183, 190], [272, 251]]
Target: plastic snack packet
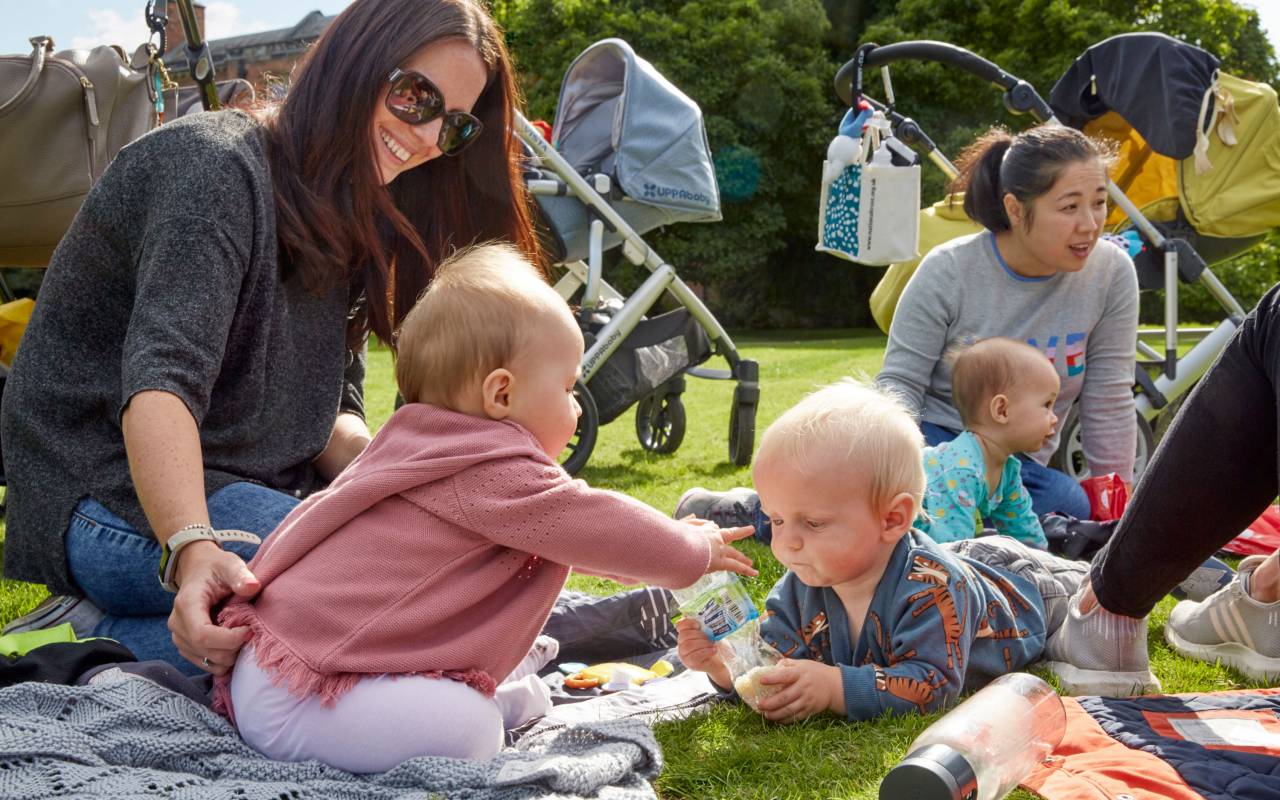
[[719, 602], [749, 657]]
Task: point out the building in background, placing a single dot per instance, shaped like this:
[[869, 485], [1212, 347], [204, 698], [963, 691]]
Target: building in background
[[263, 59]]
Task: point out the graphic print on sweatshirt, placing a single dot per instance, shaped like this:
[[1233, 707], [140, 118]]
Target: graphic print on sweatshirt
[[1072, 351]]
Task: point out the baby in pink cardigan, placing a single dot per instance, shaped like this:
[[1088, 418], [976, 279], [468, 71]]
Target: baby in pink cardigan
[[399, 606]]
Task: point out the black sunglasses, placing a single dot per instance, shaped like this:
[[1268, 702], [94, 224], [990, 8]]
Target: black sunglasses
[[416, 100]]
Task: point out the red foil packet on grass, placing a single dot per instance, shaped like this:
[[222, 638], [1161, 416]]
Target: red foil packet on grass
[[1107, 496]]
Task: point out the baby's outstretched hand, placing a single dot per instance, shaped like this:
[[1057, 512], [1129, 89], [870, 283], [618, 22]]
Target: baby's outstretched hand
[[724, 556], [697, 652], [804, 688]]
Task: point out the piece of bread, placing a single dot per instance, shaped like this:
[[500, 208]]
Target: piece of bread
[[749, 688]]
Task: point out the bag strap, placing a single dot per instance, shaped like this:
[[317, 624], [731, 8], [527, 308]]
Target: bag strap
[[40, 46], [1217, 108]]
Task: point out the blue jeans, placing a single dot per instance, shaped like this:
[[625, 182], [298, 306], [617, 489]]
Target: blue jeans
[[1050, 489], [115, 565]]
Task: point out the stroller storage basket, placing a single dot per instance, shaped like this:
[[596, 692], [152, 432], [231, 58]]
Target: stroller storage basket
[[657, 350]]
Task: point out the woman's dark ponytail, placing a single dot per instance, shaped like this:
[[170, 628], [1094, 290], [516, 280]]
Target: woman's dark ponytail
[[980, 179], [1025, 166]]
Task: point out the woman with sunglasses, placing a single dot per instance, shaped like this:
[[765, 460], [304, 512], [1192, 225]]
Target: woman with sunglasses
[[195, 364]]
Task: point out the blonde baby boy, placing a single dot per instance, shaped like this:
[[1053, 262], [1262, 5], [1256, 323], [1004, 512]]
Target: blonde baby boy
[[871, 615]]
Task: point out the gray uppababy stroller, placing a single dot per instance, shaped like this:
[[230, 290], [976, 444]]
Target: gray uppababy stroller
[[629, 154]]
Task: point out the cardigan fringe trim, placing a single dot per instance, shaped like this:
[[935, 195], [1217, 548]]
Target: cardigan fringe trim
[[289, 671]]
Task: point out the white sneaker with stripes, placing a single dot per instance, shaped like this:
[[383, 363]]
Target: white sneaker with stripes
[[1230, 627], [1100, 653]]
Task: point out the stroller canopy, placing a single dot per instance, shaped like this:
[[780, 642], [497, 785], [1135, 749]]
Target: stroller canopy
[[1155, 82], [1194, 144], [618, 116]]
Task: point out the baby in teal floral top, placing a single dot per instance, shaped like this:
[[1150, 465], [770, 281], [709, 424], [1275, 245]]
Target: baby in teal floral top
[[1004, 391]]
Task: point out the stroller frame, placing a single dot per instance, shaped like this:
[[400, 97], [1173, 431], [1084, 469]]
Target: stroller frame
[[660, 417], [1160, 380]]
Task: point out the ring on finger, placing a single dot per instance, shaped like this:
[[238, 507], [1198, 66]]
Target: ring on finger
[[206, 663]]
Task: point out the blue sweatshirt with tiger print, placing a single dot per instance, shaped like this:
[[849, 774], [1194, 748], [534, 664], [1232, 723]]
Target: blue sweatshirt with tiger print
[[939, 623]]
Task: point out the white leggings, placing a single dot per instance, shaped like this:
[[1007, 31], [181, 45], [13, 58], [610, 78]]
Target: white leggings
[[383, 720]]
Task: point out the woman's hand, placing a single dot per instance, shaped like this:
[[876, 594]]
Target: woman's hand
[[207, 575], [699, 653], [805, 688]]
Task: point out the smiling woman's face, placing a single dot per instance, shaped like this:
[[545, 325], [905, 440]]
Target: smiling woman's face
[[458, 71]]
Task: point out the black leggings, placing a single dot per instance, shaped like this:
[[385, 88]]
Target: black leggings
[[1213, 474]]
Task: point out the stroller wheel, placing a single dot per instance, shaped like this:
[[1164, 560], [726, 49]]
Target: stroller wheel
[[660, 422], [1070, 459], [579, 449], [742, 431]]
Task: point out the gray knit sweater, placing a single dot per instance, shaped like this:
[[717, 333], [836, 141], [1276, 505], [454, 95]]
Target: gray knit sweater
[[168, 279], [1086, 322]]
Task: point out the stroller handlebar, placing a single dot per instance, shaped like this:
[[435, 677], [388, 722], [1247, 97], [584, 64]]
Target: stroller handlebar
[[1020, 96]]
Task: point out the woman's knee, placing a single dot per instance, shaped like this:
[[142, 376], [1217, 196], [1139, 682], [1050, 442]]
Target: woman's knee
[[114, 564], [935, 435], [250, 507]]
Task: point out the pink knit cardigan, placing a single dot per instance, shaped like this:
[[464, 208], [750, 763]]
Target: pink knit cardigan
[[440, 551]]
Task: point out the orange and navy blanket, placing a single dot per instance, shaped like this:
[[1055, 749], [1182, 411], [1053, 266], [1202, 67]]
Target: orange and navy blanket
[[1216, 746]]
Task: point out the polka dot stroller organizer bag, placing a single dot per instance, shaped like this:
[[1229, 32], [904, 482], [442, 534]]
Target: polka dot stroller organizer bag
[[869, 211]]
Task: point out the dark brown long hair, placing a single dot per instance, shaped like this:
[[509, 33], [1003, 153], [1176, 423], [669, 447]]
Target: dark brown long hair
[[335, 219]]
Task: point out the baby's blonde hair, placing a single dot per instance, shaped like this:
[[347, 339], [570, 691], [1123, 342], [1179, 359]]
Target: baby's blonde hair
[[985, 369], [864, 427], [472, 319]]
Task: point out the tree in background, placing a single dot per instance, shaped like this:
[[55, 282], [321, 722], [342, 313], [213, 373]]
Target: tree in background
[[1037, 40], [762, 72], [763, 78]]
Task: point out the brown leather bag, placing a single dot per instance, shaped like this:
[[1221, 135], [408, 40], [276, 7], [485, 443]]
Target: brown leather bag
[[63, 117]]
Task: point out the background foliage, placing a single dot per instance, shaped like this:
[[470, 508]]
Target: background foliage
[[762, 72]]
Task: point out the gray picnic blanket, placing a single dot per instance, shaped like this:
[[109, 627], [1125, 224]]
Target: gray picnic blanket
[[133, 737]]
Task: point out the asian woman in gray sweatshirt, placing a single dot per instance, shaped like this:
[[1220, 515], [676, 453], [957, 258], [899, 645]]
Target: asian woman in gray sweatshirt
[[1040, 273]]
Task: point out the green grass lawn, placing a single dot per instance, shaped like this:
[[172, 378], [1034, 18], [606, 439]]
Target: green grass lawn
[[731, 752]]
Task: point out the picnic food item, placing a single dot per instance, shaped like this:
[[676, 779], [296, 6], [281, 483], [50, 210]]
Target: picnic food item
[[614, 675], [985, 746], [749, 657], [1107, 496], [720, 602], [749, 688]]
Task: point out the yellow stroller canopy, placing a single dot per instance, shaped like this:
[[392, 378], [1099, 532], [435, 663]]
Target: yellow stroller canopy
[[1193, 142]]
